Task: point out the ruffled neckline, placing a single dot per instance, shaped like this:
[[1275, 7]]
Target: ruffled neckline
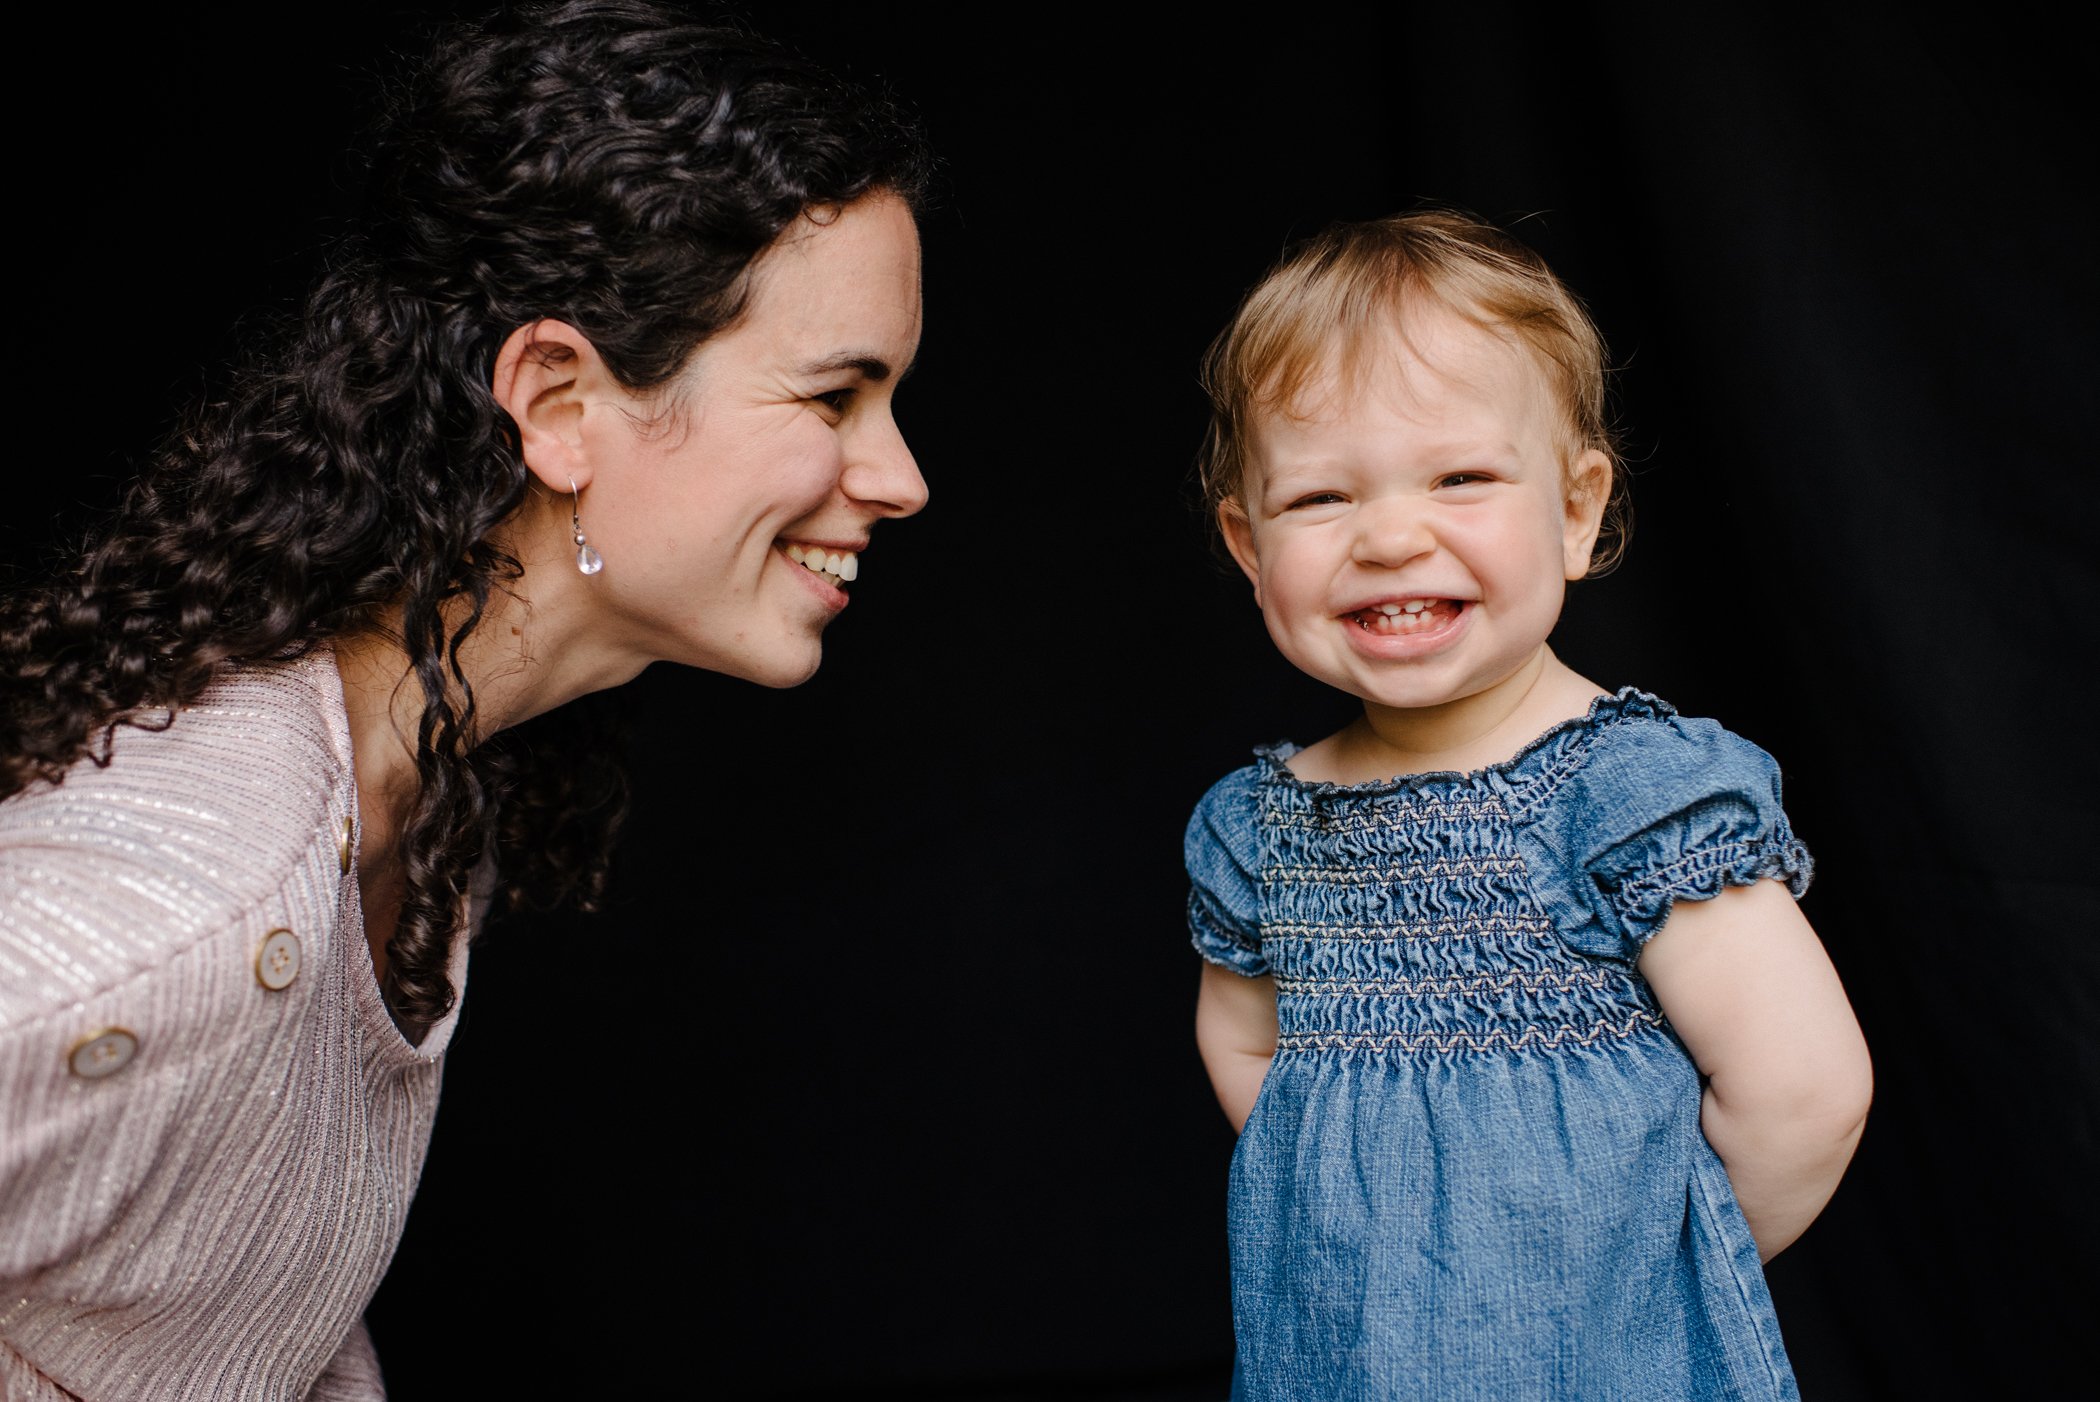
[[1626, 704]]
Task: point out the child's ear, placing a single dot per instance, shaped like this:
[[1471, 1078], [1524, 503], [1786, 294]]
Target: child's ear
[[547, 375], [1239, 539], [1589, 489]]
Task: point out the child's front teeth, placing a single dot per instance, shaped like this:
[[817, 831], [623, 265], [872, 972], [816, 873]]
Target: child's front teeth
[[1414, 616], [841, 565]]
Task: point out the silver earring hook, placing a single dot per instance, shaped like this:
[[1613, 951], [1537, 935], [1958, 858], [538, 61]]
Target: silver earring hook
[[588, 561]]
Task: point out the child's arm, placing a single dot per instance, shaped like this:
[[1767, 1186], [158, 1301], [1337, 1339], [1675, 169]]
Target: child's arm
[[1746, 983], [1236, 1033]]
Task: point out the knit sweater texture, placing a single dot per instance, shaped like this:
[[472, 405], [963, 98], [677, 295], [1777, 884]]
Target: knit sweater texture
[[205, 1164]]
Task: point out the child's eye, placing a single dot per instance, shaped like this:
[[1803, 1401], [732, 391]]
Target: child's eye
[[1463, 479], [1315, 499]]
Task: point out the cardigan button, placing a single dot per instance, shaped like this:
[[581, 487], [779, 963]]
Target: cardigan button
[[277, 960], [103, 1053]]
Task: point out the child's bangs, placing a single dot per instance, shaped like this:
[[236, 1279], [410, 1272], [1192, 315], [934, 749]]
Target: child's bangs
[[1328, 319]]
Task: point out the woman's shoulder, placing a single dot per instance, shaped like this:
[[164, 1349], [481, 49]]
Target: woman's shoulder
[[193, 828], [261, 751]]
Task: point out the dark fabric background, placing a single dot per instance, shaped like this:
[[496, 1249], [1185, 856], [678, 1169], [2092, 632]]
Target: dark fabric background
[[878, 1078]]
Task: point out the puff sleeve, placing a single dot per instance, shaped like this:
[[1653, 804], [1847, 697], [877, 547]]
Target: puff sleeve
[[1657, 810], [1222, 850]]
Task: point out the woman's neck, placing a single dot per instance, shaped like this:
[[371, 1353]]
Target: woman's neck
[[535, 648], [541, 642]]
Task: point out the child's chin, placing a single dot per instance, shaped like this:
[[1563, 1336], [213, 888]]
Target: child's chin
[[1409, 699]]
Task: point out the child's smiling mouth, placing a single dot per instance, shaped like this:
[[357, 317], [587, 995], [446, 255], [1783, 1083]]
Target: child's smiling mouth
[[1401, 617]]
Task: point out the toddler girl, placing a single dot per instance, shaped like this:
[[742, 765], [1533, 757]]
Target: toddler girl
[[1532, 1055]]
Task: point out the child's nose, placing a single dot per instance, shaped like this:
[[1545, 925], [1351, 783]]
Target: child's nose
[[1389, 534]]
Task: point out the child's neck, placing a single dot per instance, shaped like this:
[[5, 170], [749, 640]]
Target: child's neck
[[1469, 733]]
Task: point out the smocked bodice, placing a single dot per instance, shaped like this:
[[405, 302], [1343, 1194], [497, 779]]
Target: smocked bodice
[[1402, 920]]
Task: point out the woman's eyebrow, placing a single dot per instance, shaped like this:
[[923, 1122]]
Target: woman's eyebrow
[[872, 367]]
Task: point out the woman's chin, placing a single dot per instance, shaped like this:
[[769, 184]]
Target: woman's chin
[[778, 669], [781, 681]]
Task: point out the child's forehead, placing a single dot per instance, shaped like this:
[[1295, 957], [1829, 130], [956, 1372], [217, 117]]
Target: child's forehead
[[1424, 363]]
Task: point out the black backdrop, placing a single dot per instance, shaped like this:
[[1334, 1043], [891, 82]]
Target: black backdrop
[[878, 1078]]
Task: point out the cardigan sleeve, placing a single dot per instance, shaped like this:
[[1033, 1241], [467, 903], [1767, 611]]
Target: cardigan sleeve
[[94, 1073], [353, 1374]]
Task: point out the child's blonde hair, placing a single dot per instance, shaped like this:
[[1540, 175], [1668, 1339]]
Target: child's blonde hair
[[1344, 287]]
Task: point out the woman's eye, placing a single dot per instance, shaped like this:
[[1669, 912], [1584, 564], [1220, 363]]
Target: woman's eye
[[835, 400]]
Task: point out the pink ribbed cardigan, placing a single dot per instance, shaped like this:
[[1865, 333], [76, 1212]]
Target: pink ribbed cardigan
[[210, 1219]]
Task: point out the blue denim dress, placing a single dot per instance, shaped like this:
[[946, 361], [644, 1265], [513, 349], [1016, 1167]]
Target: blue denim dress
[[1475, 1169]]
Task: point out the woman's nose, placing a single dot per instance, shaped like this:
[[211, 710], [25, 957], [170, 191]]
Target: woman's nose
[[884, 474]]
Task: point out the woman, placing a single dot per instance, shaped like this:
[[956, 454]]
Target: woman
[[605, 379]]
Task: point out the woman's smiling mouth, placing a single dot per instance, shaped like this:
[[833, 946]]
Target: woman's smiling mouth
[[828, 568], [841, 566]]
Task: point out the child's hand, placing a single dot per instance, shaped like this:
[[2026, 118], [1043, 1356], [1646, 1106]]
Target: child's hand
[[1746, 984]]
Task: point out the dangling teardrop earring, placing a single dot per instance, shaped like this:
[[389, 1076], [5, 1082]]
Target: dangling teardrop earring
[[588, 561]]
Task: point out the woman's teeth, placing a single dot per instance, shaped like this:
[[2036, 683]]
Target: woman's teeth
[[1414, 616], [842, 566]]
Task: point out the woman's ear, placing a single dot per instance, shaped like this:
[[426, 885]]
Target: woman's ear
[[547, 373], [1588, 492], [1239, 540]]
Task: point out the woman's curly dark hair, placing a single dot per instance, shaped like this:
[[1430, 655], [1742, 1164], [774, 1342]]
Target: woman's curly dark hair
[[607, 163]]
